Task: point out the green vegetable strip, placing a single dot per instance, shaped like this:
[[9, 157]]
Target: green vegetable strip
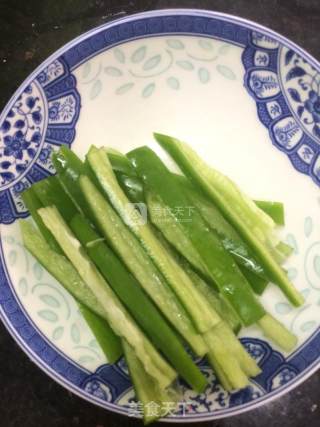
[[50, 192], [107, 340], [231, 241], [222, 377], [274, 330], [138, 262], [231, 367], [274, 209], [247, 364], [203, 316], [252, 227], [258, 284], [69, 168], [284, 249], [146, 388], [119, 319], [163, 218], [64, 272], [221, 266], [33, 203], [136, 301], [221, 306]]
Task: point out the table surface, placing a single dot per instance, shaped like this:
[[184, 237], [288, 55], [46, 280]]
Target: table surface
[[30, 30]]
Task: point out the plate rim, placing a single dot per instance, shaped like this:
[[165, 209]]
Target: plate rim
[[6, 322]]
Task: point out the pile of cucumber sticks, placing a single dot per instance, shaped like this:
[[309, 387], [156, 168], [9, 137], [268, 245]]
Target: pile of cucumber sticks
[[185, 277]]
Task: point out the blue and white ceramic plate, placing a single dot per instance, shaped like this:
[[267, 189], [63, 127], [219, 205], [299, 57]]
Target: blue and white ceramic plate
[[246, 98]]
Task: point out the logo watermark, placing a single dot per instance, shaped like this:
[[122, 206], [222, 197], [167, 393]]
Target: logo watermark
[[154, 409], [137, 214]]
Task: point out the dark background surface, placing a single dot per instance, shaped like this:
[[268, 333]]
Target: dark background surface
[[30, 30]]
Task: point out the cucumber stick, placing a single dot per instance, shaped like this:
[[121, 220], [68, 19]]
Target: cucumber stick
[[107, 340], [202, 314], [274, 330], [147, 390], [137, 302], [139, 263], [33, 203], [119, 319], [222, 307], [252, 224], [64, 272], [274, 209], [51, 192]]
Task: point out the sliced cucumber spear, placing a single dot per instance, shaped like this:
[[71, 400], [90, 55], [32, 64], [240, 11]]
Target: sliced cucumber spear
[[106, 338], [119, 319], [253, 225], [147, 390], [274, 209]]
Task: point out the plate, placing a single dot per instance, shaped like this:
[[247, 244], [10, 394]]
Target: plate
[[246, 98]]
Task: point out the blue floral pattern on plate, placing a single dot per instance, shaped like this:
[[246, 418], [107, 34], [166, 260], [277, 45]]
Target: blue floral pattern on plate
[[39, 120], [286, 88]]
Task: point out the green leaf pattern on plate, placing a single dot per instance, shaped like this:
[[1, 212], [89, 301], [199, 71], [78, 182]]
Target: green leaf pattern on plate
[[96, 89], [172, 55], [173, 83], [124, 88], [23, 286], [148, 90], [185, 65], [50, 300], [119, 55], [86, 70], [204, 75], [151, 63], [139, 54], [57, 333], [48, 315], [175, 44], [226, 72], [37, 270], [113, 71], [75, 333]]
